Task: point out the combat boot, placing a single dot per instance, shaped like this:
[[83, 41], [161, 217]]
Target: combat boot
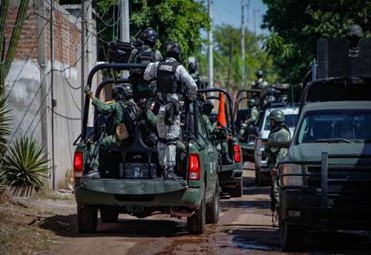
[[226, 160], [92, 174], [170, 175]]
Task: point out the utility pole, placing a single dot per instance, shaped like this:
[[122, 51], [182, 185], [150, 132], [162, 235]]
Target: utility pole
[[210, 40], [254, 11], [82, 61], [124, 16], [243, 43]]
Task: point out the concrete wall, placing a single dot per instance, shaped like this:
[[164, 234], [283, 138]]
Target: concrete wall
[[29, 84]]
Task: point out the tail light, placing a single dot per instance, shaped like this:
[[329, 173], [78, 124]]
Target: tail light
[[237, 153], [78, 164], [194, 167]]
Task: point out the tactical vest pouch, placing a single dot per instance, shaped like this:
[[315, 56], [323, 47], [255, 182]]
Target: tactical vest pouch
[[171, 111], [156, 107], [122, 132]]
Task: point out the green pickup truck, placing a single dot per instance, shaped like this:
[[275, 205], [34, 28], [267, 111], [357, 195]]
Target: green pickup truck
[[230, 173], [128, 182], [325, 178]]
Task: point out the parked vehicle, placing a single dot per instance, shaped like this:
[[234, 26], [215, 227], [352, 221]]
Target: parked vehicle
[[325, 178], [262, 173], [230, 175], [128, 182]]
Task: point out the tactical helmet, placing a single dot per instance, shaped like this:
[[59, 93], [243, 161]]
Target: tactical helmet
[[277, 115], [259, 73], [149, 36], [124, 92], [207, 107], [354, 30], [251, 102], [173, 50], [192, 65]]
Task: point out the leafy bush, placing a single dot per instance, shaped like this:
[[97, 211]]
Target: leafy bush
[[25, 163], [4, 131]]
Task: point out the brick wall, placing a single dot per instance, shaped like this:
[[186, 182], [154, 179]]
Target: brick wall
[[66, 36], [28, 43]]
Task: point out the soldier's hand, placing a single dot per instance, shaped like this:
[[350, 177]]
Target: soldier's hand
[[88, 91]]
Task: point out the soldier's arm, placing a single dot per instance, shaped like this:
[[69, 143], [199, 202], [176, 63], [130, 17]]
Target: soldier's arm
[[183, 76], [282, 140], [151, 71], [103, 107]]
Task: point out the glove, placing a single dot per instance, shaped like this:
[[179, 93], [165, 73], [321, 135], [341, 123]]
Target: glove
[[88, 91]]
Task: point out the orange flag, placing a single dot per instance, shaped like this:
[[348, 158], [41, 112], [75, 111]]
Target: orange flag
[[222, 120]]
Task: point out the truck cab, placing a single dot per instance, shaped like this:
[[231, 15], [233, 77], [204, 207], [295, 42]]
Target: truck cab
[[129, 183], [324, 180]]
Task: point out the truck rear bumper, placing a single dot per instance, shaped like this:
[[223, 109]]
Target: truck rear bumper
[[304, 209], [145, 193]]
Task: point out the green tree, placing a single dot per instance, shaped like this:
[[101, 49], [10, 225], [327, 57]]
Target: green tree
[[227, 57], [175, 20], [295, 27]]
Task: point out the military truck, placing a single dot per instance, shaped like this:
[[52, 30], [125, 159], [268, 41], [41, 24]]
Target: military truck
[[325, 178], [128, 182], [230, 175]]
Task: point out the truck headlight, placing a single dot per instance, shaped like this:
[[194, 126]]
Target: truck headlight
[[292, 180]]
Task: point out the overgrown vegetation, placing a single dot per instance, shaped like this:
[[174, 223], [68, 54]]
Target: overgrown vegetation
[[25, 164], [295, 27]]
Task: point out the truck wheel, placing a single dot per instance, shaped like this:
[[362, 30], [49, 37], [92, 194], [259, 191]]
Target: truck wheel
[[238, 190], [86, 219], [291, 236], [196, 223], [213, 207], [108, 215]]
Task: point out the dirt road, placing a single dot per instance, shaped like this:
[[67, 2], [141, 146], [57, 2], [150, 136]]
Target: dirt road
[[244, 228]]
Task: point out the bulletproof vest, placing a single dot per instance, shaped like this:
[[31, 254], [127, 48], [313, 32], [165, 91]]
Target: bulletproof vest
[[131, 112], [145, 56], [166, 78]]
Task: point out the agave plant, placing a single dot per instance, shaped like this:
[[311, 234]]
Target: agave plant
[[25, 164], [4, 124]]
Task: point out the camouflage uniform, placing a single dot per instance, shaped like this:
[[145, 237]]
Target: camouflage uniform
[[120, 111], [169, 134], [275, 152], [254, 114]]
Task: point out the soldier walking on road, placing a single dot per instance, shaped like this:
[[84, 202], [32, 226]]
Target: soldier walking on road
[[170, 75], [276, 149]]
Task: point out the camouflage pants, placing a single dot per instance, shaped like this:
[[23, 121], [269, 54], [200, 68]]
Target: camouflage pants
[[275, 193], [167, 151], [105, 145]]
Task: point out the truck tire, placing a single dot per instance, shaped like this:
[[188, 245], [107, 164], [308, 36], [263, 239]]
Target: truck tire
[[87, 217], [108, 215], [238, 190], [213, 207], [196, 223], [291, 236]]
